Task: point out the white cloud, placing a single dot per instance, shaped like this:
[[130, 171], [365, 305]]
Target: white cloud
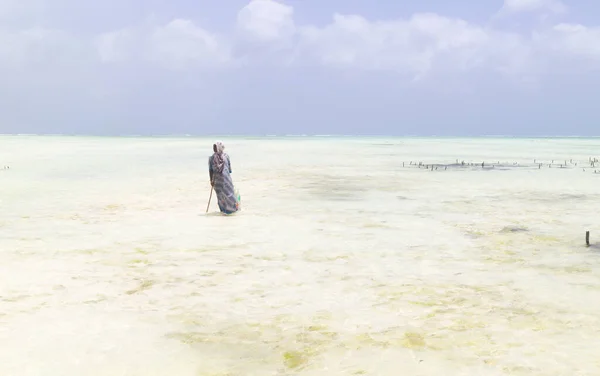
[[572, 40], [266, 20], [41, 46], [179, 44], [116, 46], [266, 32], [417, 45], [523, 6]]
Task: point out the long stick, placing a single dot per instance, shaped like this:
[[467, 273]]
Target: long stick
[[210, 197]]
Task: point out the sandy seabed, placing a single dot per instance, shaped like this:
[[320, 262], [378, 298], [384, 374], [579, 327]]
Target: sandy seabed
[[342, 261]]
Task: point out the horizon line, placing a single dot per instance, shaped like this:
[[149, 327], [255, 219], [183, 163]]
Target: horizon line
[[174, 135]]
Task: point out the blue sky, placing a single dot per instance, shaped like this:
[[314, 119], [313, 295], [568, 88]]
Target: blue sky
[[432, 67]]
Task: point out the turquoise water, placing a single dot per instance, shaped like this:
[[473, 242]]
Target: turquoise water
[[341, 260]]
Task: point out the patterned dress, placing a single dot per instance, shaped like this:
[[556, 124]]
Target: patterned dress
[[223, 186]]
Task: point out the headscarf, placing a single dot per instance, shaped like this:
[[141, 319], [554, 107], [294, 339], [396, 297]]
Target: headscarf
[[219, 157]]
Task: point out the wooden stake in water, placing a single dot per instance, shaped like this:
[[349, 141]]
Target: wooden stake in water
[[587, 238]]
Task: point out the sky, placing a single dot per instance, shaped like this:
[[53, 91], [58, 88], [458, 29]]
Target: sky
[[352, 67]]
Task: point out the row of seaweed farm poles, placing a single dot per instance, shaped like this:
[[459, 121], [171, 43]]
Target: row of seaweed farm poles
[[537, 164]]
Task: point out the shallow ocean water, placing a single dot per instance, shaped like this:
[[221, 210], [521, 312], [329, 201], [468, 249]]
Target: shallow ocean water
[[342, 261]]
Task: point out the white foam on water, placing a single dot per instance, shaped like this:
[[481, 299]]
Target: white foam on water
[[341, 261]]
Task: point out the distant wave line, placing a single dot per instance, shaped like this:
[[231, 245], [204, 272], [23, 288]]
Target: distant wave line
[[187, 135]]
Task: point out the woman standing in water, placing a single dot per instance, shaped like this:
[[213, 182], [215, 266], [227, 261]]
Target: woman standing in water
[[219, 170]]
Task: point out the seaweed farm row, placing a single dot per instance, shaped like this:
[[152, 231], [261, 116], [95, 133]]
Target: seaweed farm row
[[591, 165]]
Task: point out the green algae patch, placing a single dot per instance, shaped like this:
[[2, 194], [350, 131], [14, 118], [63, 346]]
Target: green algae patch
[[393, 339], [144, 285], [577, 269], [192, 338], [463, 325], [139, 261], [413, 340], [294, 359]]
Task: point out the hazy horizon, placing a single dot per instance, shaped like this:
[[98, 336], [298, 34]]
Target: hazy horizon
[[299, 135]]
